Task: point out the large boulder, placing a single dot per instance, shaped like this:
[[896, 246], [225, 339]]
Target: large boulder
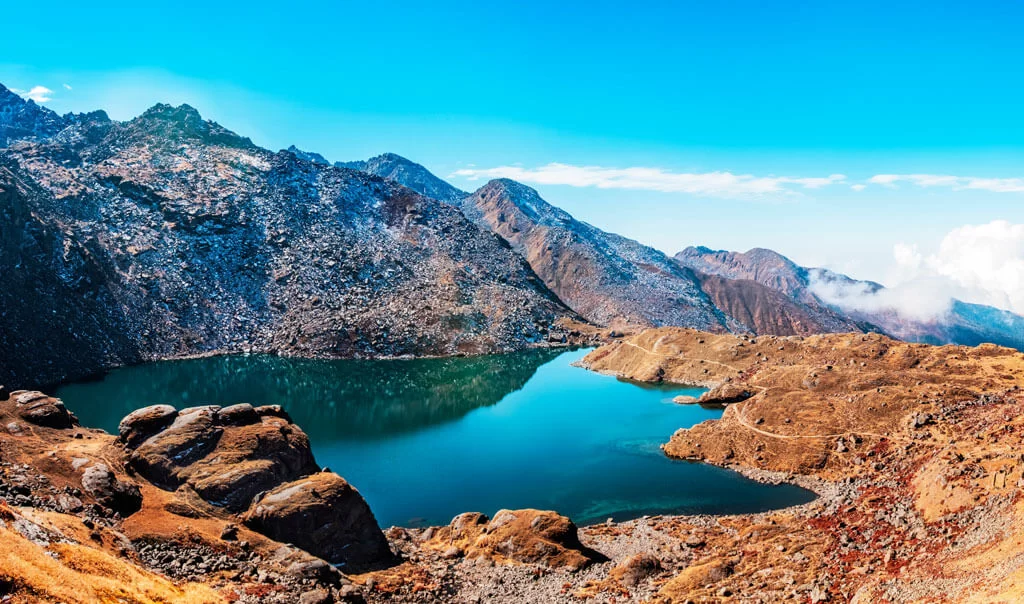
[[42, 410], [227, 455], [140, 424], [324, 515], [515, 537], [122, 497], [726, 394]]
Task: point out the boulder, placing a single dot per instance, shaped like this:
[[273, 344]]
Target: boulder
[[636, 569], [685, 400], [42, 410], [226, 455], [324, 515], [165, 457], [726, 394], [122, 497], [273, 411], [140, 424], [238, 415], [516, 537]]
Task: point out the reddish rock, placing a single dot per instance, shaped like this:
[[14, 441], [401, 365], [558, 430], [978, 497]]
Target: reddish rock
[[122, 497], [516, 537], [42, 410], [226, 455], [324, 515], [140, 424]]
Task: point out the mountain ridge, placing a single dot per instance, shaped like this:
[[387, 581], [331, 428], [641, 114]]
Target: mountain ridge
[[174, 236]]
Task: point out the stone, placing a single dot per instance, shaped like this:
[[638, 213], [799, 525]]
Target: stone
[[273, 411], [516, 537], [122, 497], [325, 516], [229, 532], [636, 569], [140, 424], [238, 415], [226, 455], [726, 394], [42, 410], [316, 596], [685, 400]]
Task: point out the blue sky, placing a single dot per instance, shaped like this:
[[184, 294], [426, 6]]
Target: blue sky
[[672, 123]]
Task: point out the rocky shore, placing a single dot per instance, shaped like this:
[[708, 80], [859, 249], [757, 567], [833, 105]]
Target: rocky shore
[[913, 450]]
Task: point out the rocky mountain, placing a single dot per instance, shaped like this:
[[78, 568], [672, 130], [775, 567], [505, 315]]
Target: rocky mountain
[[310, 156], [612, 280], [964, 323], [169, 235], [407, 173], [20, 118], [607, 278]]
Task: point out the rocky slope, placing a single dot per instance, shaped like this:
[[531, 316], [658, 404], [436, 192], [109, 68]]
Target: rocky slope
[[964, 323], [606, 278], [612, 280], [169, 236], [922, 443]]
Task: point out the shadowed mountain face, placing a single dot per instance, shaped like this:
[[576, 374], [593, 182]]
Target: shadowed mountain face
[[169, 235], [24, 119], [407, 173], [606, 278], [964, 323]]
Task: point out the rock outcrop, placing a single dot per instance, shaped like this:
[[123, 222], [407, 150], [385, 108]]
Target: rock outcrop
[[226, 455], [42, 410]]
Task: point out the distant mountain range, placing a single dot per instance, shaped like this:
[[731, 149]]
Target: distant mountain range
[[168, 235]]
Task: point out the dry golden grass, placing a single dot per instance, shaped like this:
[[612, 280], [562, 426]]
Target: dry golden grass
[[73, 573]]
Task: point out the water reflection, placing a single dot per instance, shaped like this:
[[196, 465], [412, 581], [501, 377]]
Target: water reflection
[[327, 398]]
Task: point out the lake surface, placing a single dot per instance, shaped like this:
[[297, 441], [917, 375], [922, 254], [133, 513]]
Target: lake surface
[[424, 440]]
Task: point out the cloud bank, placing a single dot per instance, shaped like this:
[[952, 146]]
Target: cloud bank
[[712, 184], [957, 183], [983, 264]]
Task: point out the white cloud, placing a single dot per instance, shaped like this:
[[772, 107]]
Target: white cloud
[[983, 264], [39, 94], [920, 299], [67, 87], [858, 187], [957, 183], [716, 184]]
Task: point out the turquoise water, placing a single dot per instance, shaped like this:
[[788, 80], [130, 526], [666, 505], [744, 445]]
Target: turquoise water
[[426, 439]]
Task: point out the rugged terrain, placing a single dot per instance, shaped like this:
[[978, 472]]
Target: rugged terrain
[[922, 443], [168, 236], [913, 449]]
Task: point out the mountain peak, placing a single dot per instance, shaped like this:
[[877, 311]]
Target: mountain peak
[[185, 122], [184, 114], [407, 173], [23, 119], [310, 156]]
